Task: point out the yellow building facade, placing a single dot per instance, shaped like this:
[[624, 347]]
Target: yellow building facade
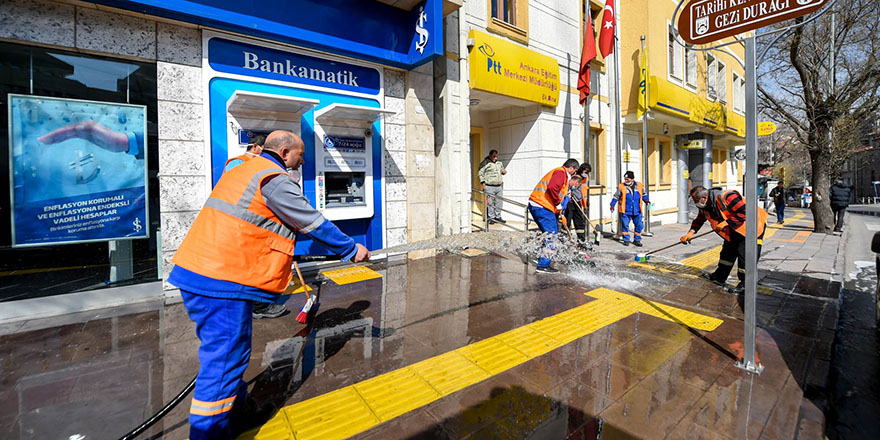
[[696, 108]]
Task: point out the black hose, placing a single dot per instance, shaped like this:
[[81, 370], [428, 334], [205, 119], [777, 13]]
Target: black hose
[[156, 417], [310, 258]]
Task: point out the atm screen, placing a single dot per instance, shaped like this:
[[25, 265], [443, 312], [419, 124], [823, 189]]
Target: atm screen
[[344, 189]]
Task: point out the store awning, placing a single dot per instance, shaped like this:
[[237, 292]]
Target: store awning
[[361, 115], [259, 105]]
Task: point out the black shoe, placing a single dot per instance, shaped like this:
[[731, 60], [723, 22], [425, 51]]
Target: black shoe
[[739, 289], [625, 243], [637, 243], [547, 269], [491, 221], [500, 220], [269, 310]]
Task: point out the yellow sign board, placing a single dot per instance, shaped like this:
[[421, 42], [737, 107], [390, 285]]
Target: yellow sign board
[[505, 68], [687, 174], [626, 156], [696, 144], [765, 128]]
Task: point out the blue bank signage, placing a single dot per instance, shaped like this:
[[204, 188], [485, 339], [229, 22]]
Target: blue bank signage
[[363, 29], [247, 59]]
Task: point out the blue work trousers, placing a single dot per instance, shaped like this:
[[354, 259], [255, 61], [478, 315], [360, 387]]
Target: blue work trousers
[[224, 327], [547, 222], [636, 220], [780, 212]]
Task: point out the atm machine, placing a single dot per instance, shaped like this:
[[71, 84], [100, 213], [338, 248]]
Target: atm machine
[[344, 153]]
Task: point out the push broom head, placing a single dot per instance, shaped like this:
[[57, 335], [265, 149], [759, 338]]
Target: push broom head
[[641, 257], [303, 315]]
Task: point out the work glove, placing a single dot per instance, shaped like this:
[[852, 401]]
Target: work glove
[[563, 220], [649, 206], [686, 238], [720, 226]]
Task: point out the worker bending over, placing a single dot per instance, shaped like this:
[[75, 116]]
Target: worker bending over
[[726, 212], [546, 202], [238, 251]]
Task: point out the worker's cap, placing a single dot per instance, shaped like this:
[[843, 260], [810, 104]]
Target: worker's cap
[[629, 174]]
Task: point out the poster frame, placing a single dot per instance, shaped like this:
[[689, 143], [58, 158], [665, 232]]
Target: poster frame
[[145, 146]]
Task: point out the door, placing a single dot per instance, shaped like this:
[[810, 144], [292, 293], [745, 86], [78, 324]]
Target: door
[[477, 155]]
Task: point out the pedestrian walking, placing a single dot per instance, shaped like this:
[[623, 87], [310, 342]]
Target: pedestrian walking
[[547, 201], [630, 194], [840, 195], [726, 212], [239, 250], [778, 196], [490, 173]]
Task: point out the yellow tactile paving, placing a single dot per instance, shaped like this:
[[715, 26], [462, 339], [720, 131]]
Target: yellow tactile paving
[[337, 414], [530, 342], [703, 259], [449, 372], [353, 409], [396, 393], [353, 274], [493, 355]]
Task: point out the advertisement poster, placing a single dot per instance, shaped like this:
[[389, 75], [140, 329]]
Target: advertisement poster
[[77, 170]]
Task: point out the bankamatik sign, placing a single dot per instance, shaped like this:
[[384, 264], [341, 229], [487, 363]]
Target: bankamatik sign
[[78, 170], [705, 21]]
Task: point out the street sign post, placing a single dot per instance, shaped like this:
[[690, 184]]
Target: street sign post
[[706, 21], [766, 128]]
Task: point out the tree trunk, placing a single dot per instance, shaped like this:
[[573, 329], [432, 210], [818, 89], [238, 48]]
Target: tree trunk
[[823, 218]]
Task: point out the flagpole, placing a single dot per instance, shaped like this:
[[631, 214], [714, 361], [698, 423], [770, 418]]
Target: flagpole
[[618, 125], [644, 97], [587, 159]]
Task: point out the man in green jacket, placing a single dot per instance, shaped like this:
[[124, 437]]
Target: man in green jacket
[[490, 173]]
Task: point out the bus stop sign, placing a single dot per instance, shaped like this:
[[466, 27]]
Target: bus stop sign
[[705, 21]]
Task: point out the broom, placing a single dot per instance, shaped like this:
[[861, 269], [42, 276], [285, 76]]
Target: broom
[[645, 256], [596, 231], [311, 300]]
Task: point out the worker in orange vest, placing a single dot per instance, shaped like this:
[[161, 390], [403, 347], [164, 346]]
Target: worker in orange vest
[[240, 250], [546, 203], [726, 212], [253, 150], [630, 194]]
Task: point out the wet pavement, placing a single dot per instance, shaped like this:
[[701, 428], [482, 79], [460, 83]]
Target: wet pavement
[[470, 344]]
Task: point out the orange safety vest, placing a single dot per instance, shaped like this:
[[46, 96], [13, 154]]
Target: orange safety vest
[[236, 237], [723, 209], [539, 194], [244, 158], [621, 204]]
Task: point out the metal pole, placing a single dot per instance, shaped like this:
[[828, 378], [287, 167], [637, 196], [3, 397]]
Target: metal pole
[[749, 361], [618, 132], [647, 231]]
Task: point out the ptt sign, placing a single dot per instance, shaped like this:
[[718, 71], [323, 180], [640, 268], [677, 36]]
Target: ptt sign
[[705, 21]]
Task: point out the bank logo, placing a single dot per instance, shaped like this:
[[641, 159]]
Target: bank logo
[[702, 25], [423, 33], [492, 65], [136, 225], [328, 142]]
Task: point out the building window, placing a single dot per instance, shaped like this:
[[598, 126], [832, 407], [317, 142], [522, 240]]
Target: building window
[[674, 56], [711, 77], [504, 10], [739, 85], [721, 76], [109, 94], [509, 18], [690, 70]]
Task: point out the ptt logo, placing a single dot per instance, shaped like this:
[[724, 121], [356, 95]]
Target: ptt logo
[[492, 65]]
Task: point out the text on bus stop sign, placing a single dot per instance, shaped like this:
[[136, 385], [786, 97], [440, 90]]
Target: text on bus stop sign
[[705, 21]]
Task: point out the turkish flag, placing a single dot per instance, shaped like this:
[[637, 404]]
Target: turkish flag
[[587, 54], [606, 34]]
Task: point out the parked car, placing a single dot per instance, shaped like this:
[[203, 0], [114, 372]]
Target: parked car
[[875, 247]]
